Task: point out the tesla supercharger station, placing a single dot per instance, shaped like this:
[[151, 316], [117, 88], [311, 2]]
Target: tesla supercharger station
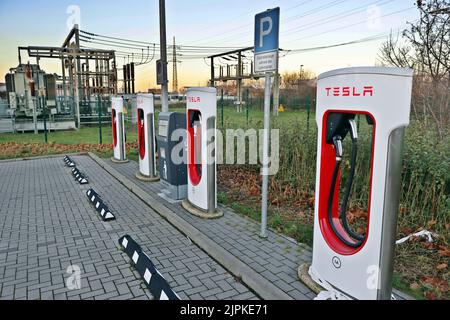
[[201, 152], [356, 265], [118, 130], [146, 138]]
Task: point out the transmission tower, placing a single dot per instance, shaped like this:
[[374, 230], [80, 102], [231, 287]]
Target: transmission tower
[[175, 75]]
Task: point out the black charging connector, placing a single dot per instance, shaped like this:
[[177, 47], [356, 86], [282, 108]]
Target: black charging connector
[[338, 125]]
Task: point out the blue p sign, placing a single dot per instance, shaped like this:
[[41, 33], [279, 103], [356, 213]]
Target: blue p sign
[[267, 26]]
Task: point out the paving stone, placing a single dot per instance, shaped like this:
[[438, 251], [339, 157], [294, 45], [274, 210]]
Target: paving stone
[[226, 295], [59, 228]]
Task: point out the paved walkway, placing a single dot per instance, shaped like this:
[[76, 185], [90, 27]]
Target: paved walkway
[[48, 224], [276, 258]]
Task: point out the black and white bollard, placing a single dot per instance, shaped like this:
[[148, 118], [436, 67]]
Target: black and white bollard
[[69, 162], [99, 205], [154, 280], [79, 176]]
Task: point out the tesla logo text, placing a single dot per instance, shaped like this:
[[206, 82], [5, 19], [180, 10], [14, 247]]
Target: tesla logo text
[[194, 99], [349, 91]]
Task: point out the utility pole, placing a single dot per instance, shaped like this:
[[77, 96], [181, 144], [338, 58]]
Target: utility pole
[[125, 86], [163, 52], [41, 100], [132, 78], [78, 74], [64, 81], [174, 75], [211, 82]]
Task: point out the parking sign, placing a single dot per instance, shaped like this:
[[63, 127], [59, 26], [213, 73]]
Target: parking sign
[[267, 27]]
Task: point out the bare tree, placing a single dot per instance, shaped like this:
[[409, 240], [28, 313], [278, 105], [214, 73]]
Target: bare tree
[[430, 39], [426, 43], [291, 79], [396, 53], [425, 46]]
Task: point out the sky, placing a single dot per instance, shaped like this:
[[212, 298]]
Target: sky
[[227, 23]]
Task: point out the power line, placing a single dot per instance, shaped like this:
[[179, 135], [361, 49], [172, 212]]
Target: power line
[[312, 11], [362, 40], [190, 54], [335, 17], [367, 39], [138, 42], [247, 24], [228, 20], [130, 46], [351, 25], [203, 52], [315, 10], [307, 13]]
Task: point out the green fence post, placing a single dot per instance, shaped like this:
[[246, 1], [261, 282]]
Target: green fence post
[[308, 110], [44, 109], [99, 102], [221, 106], [246, 105]]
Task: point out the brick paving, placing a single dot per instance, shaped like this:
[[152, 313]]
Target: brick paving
[[275, 258], [48, 224]]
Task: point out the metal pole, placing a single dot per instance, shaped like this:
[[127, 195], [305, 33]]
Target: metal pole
[[77, 102], [44, 107], [124, 71], [163, 51], [35, 118], [221, 106], [115, 75], [211, 82], [64, 83], [100, 118], [86, 82], [44, 111], [35, 106], [246, 105], [132, 77], [79, 92], [71, 88], [265, 167], [239, 82], [308, 115]]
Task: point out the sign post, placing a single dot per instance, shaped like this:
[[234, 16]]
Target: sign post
[[267, 26]]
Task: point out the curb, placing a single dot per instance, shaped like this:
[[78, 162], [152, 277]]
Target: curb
[[261, 286]]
